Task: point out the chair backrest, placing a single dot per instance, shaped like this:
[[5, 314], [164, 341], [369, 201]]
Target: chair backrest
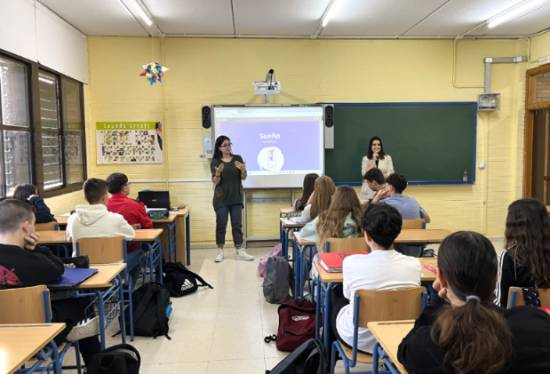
[[346, 244], [48, 226], [515, 297], [25, 305], [102, 250], [389, 305], [413, 224]]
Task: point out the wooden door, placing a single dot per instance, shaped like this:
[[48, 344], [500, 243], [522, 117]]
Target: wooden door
[[541, 153]]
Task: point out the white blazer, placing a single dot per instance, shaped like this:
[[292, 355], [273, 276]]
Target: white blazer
[[385, 165]]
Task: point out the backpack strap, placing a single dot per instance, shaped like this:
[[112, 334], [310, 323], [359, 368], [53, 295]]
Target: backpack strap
[[146, 299]]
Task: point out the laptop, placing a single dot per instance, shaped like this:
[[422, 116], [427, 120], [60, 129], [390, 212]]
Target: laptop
[[155, 199]]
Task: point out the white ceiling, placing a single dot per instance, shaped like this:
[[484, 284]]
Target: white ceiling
[[301, 18]]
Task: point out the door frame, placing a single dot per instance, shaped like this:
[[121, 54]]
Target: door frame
[[530, 107]]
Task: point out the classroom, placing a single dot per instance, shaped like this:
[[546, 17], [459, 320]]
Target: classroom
[[136, 92]]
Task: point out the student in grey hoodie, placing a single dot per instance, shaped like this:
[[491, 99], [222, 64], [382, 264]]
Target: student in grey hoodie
[[94, 220]]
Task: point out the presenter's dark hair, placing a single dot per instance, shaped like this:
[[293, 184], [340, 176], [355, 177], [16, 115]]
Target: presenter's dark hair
[[23, 191], [528, 238], [398, 182], [374, 175], [383, 223], [94, 190], [369, 152], [475, 336], [116, 182], [219, 141], [309, 184]]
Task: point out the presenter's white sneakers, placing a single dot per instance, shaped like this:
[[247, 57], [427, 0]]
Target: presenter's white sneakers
[[219, 257], [241, 254]]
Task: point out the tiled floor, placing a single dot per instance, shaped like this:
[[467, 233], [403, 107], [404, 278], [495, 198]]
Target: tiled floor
[[220, 330]]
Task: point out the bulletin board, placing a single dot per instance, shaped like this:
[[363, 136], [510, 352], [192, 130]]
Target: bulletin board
[[129, 142]]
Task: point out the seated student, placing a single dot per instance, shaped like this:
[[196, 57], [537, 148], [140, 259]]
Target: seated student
[[309, 183], [526, 260], [382, 269], [469, 334], [133, 211], [22, 264], [28, 193], [342, 219], [319, 200], [406, 205], [375, 181]]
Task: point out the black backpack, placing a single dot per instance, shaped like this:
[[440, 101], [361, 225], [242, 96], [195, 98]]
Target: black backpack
[[118, 359], [308, 358], [151, 310], [181, 281]]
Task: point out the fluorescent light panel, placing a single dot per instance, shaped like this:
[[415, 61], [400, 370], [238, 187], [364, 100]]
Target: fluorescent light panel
[[136, 9], [329, 13], [513, 12]]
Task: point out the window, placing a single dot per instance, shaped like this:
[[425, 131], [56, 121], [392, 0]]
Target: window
[[43, 146], [15, 141], [50, 125]]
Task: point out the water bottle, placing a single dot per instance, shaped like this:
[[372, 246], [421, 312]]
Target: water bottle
[[465, 176]]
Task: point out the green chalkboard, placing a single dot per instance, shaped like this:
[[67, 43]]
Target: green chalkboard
[[430, 143]]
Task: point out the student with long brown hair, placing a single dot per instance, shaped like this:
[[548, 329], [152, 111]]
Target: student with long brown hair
[[342, 219], [319, 200], [469, 334], [526, 260], [307, 190]]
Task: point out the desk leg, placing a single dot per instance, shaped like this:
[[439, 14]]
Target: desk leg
[[375, 359], [122, 314], [318, 309], [326, 318], [296, 265], [188, 239], [101, 312], [284, 241], [173, 241]]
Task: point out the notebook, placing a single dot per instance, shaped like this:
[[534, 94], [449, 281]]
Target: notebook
[[332, 262], [72, 278]]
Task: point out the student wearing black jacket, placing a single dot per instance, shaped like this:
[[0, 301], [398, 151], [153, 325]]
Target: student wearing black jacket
[[526, 260], [28, 193], [463, 331], [22, 264]]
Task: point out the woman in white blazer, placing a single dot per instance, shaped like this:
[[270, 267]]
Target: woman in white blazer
[[375, 158]]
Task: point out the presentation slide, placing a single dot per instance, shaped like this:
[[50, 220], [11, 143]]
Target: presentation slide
[[280, 145]]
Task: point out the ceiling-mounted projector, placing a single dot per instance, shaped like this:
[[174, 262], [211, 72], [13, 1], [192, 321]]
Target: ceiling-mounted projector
[[270, 86]]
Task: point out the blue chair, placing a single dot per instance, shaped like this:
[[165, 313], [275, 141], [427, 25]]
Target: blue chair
[[105, 250], [376, 305], [515, 297], [32, 305]]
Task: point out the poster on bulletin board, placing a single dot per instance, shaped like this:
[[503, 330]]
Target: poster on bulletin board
[[129, 142]]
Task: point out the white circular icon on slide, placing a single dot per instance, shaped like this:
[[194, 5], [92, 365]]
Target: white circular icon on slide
[[271, 159]]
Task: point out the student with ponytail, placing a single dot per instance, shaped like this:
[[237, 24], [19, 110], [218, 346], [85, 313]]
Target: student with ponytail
[[463, 331]]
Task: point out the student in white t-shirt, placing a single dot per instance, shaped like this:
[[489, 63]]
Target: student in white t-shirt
[[383, 268]]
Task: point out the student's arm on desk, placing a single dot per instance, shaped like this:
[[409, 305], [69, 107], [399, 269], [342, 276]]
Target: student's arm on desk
[[425, 215], [304, 217], [144, 219], [40, 266]]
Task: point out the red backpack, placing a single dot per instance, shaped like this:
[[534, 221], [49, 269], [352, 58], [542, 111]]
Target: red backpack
[[296, 324]]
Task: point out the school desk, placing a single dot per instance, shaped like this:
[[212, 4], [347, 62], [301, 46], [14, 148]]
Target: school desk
[[389, 335], [286, 227], [326, 281], [21, 342], [179, 232]]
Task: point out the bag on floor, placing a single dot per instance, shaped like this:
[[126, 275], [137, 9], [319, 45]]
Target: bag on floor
[[180, 281], [118, 359], [308, 358], [277, 250], [296, 324], [277, 280], [152, 308]]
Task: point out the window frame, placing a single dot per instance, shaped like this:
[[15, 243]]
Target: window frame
[[35, 129]]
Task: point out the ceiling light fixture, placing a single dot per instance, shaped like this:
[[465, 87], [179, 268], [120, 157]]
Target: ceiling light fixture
[[135, 9], [329, 13], [513, 12]]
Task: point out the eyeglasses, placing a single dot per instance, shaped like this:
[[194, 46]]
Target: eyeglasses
[[226, 145]]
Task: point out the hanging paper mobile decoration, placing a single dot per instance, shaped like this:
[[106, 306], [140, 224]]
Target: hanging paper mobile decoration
[[153, 71]]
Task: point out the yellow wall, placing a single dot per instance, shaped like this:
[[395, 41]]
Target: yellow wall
[[540, 46], [220, 71]]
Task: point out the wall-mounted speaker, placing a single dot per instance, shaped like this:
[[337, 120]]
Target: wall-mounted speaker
[[206, 117], [329, 126]]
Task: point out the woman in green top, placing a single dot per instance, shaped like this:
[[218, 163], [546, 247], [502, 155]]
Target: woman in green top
[[228, 170]]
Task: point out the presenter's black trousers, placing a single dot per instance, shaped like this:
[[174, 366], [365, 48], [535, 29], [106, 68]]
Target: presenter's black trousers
[[235, 211]]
